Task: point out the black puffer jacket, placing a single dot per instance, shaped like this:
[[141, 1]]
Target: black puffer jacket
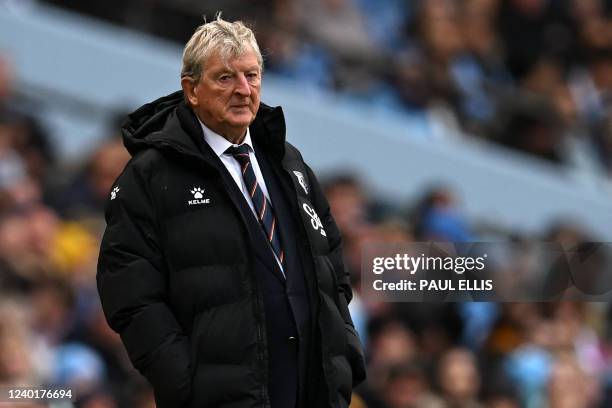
[[167, 262]]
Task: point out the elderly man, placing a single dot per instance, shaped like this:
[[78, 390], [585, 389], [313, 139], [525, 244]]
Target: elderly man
[[221, 265]]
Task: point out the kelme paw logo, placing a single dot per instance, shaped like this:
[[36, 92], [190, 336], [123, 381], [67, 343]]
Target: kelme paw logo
[[197, 192]]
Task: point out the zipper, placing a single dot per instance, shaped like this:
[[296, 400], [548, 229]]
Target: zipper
[[316, 329], [302, 223], [262, 341]]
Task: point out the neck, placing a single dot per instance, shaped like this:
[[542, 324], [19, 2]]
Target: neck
[[235, 138], [233, 135]]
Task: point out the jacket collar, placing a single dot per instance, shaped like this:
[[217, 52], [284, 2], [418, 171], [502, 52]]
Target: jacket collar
[[219, 144], [268, 130], [170, 123]]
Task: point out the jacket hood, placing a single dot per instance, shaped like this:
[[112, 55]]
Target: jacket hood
[[170, 122]]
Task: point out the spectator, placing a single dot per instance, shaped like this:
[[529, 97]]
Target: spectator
[[459, 379]]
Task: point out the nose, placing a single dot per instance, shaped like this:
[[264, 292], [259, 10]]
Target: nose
[[242, 86]]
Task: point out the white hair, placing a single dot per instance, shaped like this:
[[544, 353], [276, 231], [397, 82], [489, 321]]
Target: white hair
[[218, 36]]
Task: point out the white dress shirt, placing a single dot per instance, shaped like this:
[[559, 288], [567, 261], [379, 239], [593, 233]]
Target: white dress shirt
[[219, 144]]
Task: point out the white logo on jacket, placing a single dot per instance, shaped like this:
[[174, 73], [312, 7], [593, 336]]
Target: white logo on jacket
[[301, 180], [315, 221], [198, 195], [114, 192]]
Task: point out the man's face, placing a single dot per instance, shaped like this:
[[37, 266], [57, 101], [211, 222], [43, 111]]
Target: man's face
[[226, 98]]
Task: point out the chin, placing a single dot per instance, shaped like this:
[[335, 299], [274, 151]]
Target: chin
[[242, 121]]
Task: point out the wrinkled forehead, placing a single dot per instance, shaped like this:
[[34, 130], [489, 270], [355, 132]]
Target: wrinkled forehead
[[228, 57]]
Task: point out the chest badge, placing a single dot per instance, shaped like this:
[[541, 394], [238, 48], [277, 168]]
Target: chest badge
[[315, 221], [198, 197], [113, 193], [301, 180]]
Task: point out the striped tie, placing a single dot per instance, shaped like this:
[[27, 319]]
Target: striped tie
[[264, 211]]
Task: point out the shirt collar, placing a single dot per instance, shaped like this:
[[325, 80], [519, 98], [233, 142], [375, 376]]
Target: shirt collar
[[218, 143]]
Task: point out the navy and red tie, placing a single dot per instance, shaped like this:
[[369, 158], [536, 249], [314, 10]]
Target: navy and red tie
[[264, 212]]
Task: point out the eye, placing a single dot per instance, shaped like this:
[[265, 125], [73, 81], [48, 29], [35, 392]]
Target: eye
[[225, 78], [252, 76]]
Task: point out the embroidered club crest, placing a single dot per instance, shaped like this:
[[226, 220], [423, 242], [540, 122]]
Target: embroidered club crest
[[113, 193], [301, 180]]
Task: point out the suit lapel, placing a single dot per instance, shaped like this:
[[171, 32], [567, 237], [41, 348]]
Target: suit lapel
[[262, 249]]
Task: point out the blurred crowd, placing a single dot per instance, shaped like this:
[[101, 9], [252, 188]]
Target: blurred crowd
[[420, 355], [52, 330], [531, 74], [471, 354]]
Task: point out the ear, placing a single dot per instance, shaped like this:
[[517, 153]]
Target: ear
[[189, 87]]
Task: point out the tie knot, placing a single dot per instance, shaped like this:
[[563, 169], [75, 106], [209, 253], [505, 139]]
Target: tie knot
[[240, 153]]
